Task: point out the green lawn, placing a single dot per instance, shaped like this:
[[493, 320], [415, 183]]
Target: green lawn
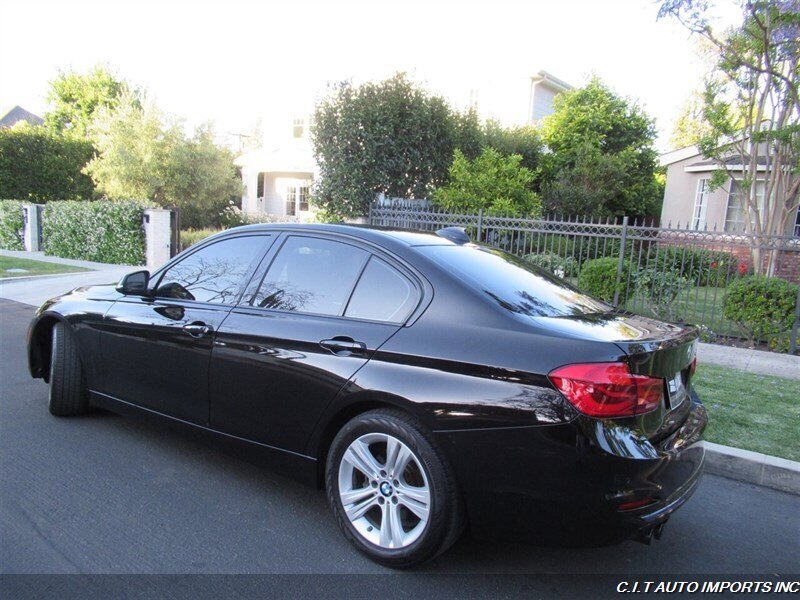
[[755, 412], [32, 267]]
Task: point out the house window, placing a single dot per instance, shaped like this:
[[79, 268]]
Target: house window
[[796, 223], [260, 185], [298, 128], [291, 200], [736, 216], [302, 193], [700, 205]]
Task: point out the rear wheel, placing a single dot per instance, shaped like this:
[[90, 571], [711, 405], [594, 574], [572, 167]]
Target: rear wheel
[[391, 490], [67, 389]]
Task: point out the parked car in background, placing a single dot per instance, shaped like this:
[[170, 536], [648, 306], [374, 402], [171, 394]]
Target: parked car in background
[[427, 383]]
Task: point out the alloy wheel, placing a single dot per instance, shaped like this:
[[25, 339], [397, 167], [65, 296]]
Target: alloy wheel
[[384, 490]]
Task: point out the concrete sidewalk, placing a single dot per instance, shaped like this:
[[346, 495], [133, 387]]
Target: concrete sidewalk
[[36, 290], [750, 361]]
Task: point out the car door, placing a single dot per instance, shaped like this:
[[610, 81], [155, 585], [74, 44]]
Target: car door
[[322, 308], [156, 349]]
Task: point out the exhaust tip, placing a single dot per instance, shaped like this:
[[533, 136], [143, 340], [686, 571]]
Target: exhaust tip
[[646, 536]]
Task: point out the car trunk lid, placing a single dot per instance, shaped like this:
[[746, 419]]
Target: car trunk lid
[[653, 348]]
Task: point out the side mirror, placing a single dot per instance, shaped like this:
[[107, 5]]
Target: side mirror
[[134, 284]]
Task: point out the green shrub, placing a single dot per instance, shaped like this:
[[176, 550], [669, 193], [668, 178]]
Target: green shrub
[[660, 288], [761, 306], [563, 266], [189, 237], [699, 265], [580, 248], [598, 278], [109, 232], [11, 225], [39, 165]]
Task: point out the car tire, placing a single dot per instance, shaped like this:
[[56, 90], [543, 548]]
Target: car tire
[[67, 388], [391, 531]]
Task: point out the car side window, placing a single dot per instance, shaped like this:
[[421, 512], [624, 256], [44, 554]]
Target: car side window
[[311, 275], [382, 294], [214, 273]]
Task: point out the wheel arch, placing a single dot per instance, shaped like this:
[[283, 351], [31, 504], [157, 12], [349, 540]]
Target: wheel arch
[[353, 405], [40, 344]]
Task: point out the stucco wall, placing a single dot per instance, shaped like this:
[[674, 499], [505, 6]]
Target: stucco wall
[[680, 193]]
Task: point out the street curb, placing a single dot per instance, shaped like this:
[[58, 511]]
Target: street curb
[[753, 467]]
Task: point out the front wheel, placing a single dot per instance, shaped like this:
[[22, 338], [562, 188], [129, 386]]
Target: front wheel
[[391, 490], [67, 389]]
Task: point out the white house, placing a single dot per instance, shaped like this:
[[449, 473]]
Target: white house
[[544, 89], [278, 179]]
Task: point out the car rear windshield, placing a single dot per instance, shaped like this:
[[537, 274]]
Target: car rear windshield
[[513, 283]]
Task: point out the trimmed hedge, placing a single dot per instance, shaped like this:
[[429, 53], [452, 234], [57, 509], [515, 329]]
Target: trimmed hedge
[[598, 278], [761, 306], [11, 225], [39, 165], [103, 231]]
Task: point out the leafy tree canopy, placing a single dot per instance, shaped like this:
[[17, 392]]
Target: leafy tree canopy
[[387, 137], [145, 155], [594, 128], [76, 97], [492, 182], [691, 125]]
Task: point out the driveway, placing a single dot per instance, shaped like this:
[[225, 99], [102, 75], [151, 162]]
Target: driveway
[[107, 494]]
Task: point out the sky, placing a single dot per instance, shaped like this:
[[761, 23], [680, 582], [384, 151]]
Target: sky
[[238, 62]]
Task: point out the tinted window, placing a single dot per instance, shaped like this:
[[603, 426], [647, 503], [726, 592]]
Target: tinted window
[[514, 284], [382, 294], [311, 275], [212, 274]]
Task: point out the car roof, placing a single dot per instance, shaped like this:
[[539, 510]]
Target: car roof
[[376, 234]]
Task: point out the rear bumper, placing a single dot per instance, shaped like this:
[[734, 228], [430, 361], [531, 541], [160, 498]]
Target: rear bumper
[[564, 484]]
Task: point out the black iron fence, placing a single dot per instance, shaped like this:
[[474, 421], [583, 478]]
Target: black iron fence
[[670, 273]]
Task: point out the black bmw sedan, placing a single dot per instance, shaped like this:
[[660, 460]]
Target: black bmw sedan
[[429, 384]]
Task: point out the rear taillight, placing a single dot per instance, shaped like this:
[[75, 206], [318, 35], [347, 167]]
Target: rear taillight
[[605, 390]]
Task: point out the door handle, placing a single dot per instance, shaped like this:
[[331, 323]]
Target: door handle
[[341, 344], [197, 329]]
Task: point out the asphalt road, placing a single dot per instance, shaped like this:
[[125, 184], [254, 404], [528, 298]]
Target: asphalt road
[[107, 494]]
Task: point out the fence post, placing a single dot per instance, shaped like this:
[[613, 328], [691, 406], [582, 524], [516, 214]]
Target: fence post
[[796, 325], [621, 260], [480, 224], [369, 215]]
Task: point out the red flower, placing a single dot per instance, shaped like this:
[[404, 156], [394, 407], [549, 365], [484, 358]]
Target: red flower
[[742, 268]]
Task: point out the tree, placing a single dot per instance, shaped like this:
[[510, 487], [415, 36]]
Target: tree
[[202, 179], [492, 182], [752, 104], [76, 97], [691, 126], [144, 155], [593, 127], [524, 140], [388, 137], [39, 165]]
